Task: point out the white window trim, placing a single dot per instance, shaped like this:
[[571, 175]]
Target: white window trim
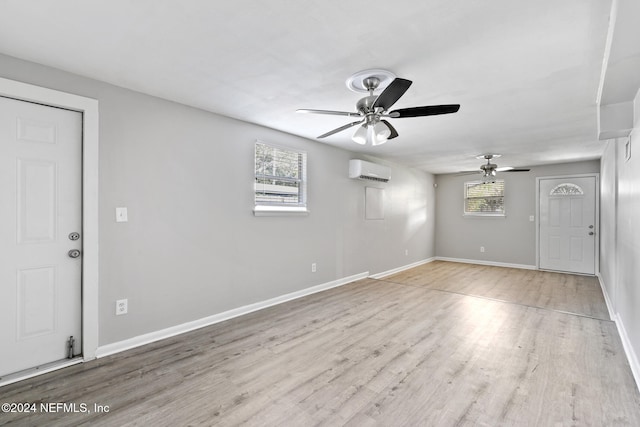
[[485, 215], [281, 210], [268, 210], [480, 214]]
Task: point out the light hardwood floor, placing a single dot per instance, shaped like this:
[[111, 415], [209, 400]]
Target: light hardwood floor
[[556, 291], [443, 344]]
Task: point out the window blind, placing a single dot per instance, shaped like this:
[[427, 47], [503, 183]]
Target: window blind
[[484, 198], [280, 176]]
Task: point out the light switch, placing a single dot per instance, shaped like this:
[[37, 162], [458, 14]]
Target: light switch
[[121, 215]]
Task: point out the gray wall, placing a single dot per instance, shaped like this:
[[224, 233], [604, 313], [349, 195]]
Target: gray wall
[[192, 247], [510, 239]]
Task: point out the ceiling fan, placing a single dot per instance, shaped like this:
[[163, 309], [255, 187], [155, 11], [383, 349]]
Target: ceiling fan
[[373, 110], [489, 170]]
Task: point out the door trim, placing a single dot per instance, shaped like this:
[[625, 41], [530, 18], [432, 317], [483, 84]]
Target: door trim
[[90, 137], [596, 261]]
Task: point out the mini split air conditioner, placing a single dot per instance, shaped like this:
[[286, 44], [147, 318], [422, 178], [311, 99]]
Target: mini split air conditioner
[[370, 171]]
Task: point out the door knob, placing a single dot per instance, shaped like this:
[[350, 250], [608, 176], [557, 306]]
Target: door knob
[[591, 233], [73, 253]]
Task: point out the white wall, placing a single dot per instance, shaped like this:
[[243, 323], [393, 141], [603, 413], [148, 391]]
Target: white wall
[[620, 249], [628, 240], [608, 220], [192, 247], [620, 184], [510, 240]]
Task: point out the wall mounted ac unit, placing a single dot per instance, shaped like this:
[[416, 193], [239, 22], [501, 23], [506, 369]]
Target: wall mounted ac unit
[[370, 171]]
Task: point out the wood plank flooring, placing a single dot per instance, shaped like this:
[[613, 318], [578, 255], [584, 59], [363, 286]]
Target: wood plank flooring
[[444, 344], [556, 291]]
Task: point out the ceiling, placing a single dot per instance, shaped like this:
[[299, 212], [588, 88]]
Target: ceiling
[[525, 73]]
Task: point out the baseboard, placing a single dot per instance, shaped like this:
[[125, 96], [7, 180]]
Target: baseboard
[[632, 357], [491, 263], [399, 269], [140, 340], [607, 300]]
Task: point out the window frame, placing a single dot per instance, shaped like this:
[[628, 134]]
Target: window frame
[[278, 208], [502, 214]]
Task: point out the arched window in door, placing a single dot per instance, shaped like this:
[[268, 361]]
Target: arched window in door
[[566, 189]]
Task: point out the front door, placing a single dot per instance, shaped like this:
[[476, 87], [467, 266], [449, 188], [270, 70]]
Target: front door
[[568, 224], [40, 227]]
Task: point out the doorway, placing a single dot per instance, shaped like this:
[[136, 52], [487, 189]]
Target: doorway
[[567, 226], [40, 220], [36, 195]]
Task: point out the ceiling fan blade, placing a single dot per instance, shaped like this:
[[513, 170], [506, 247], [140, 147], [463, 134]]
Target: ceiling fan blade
[[394, 132], [511, 169], [428, 110], [392, 93], [341, 128], [328, 112]]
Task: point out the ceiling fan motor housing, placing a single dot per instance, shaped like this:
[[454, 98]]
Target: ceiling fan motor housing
[[365, 105], [488, 167]]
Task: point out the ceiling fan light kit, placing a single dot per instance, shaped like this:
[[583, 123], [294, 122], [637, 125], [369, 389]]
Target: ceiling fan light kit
[[381, 133], [490, 170], [361, 135], [489, 177], [372, 110]]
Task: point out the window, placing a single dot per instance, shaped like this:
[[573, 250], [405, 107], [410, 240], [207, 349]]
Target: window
[[566, 189], [484, 199], [280, 180]]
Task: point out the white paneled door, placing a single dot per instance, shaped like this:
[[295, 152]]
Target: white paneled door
[[40, 228], [568, 224]]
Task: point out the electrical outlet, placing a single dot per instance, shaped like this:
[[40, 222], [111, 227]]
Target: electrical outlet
[[313, 267], [481, 248], [532, 218], [122, 306]]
